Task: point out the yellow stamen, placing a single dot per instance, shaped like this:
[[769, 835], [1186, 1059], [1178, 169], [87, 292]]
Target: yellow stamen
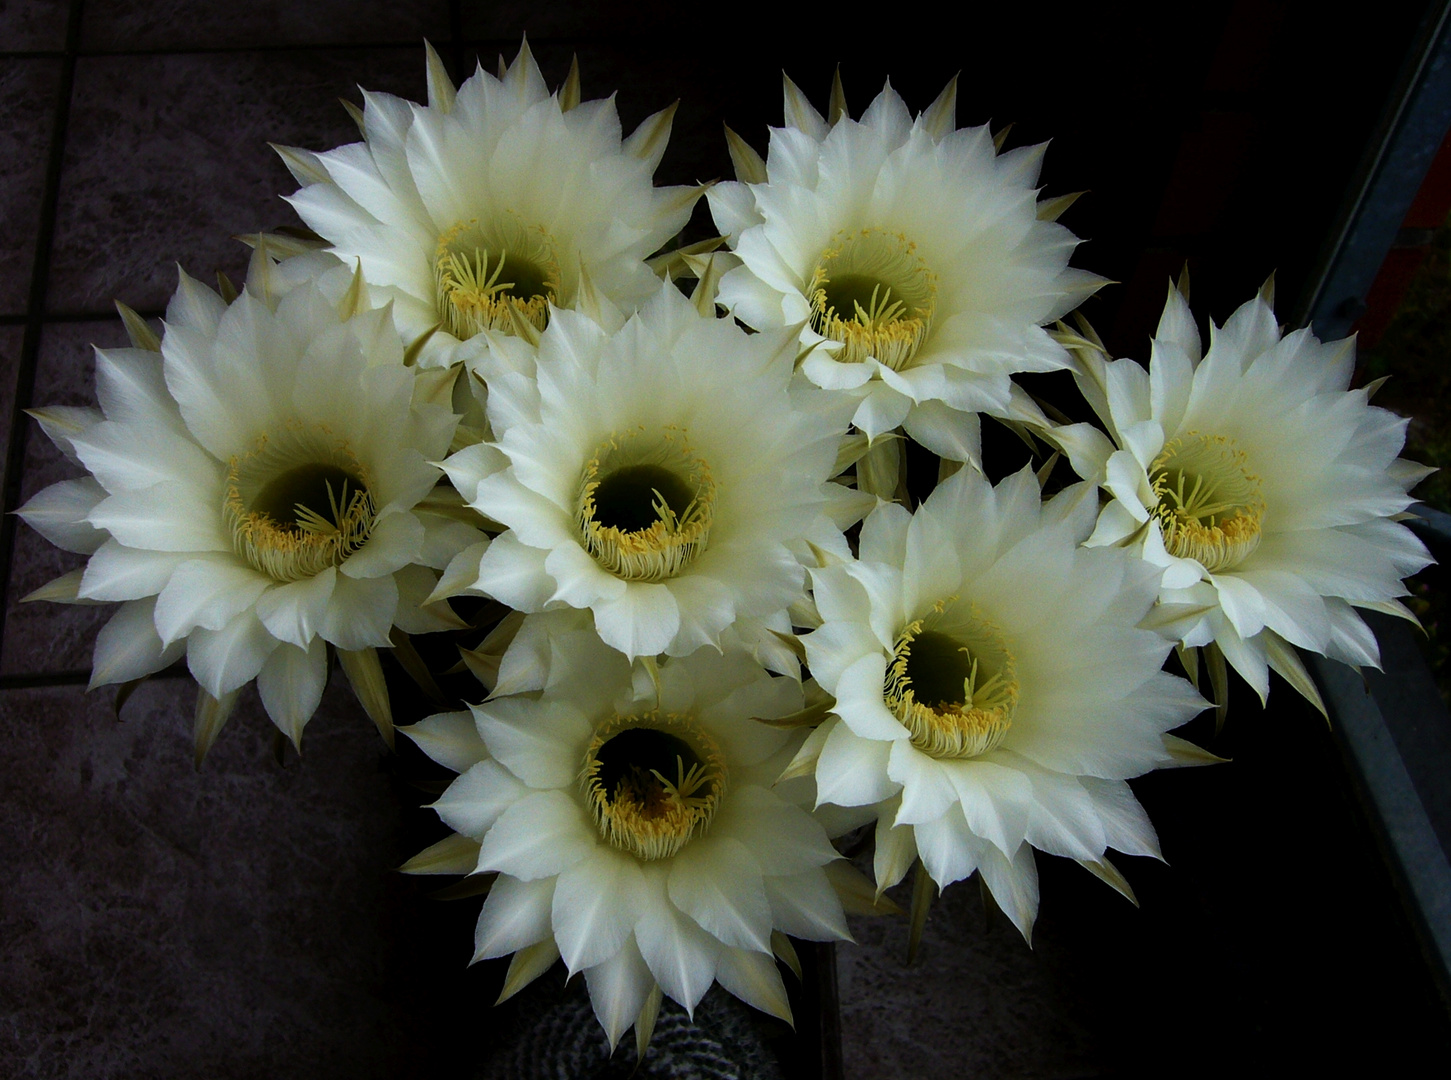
[[652, 782], [875, 295], [955, 697], [646, 505], [1209, 504], [298, 502], [481, 274]]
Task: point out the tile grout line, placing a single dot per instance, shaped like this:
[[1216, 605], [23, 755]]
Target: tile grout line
[[26, 680], [35, 307], [458, 42]]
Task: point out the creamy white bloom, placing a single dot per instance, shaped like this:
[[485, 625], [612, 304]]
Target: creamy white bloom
[[1256, 483], [656, 476], [253, 495], [638, 837], [993, 690], [912, 254], [492, 203]]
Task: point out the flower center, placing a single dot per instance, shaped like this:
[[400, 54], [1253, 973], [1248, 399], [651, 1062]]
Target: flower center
[[956, 698], [652, 782], [872, 292], [486, 276], [1209, 507], [297, 503], [646, 506]]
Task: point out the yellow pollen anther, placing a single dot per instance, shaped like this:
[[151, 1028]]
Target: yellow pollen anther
[[956, 698], [298, 502], [875, 295], [646, 505], [481, 274], [1209, 504], [652, 782]]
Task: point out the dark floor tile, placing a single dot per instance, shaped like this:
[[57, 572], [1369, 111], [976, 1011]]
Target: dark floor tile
[[979, 1002], [33, 25], [167, 159], [236, 921], [43, 637], [27, 116], [508, 20], [1239, 961], [199, 24]]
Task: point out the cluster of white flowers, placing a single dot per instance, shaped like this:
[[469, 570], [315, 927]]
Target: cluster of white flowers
[[480, 379]]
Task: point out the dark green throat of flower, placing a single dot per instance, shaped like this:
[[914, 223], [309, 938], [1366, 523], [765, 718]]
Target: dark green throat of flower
[[297, 504], [956, 699], [871, 292], [630, 498], [493, 278], [1209, 506], [652, 782], [646, 505]]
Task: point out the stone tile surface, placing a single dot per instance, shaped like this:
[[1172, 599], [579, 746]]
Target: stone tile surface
[[167, 160], [159, 921], [508, 20], [33, 25], [46, 637], [978, 1002], [192, 24], [28, 89], [1252, 952]]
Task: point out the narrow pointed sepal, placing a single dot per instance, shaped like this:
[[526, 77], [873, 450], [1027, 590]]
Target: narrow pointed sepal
[[1218, 683], [754, 978], [211, 717], [649, 139], [941, 116], [526, 965], [1285, 660], [1109, 874], [645, 1022], [62, 590], [855, 891], [836, 107], [750, 166], [1185, 754], [569, 93], [441, 91], [1053, 209], [365, 674], [454, 854], [141, 335], [786, 952]]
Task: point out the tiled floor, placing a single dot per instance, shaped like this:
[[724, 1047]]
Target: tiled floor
[[242, 921]]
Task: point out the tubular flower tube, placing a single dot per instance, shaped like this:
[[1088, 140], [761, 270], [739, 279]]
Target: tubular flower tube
[[1257, 484]]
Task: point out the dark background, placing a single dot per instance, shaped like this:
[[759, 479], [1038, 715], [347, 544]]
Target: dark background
[[241, 921]]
